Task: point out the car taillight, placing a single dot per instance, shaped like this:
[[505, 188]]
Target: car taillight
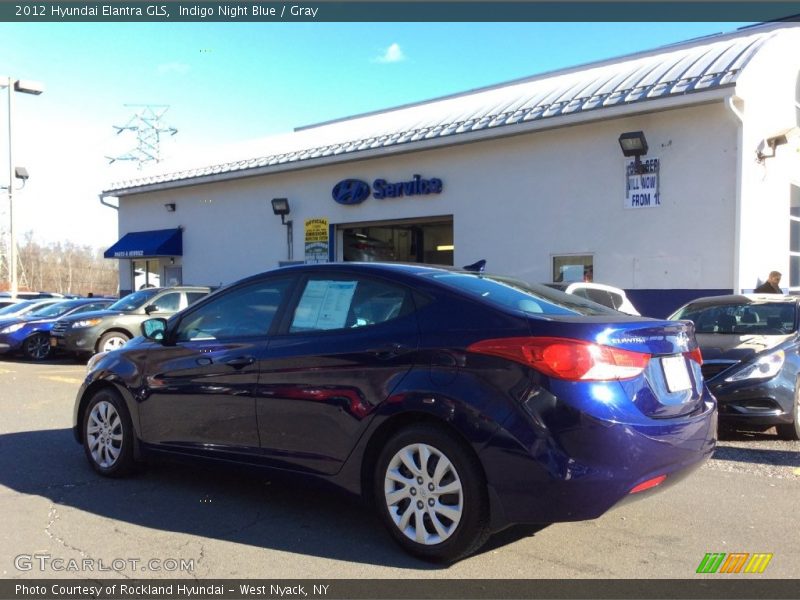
[[650, 483], [574, 360], [695, 355]]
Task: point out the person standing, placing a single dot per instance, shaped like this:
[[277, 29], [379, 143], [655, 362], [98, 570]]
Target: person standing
[[771, 285]]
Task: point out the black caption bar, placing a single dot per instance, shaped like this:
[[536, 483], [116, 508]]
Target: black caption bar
[[409, 11], [387, 589]]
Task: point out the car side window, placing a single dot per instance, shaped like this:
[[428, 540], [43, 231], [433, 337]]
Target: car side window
[[192, 297], [581, 293], [330, 304], [88, 308], [616, 300], [168, 302], [599, 296], [243, 312]]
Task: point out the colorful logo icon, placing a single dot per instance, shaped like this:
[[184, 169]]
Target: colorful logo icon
[[735, 562]]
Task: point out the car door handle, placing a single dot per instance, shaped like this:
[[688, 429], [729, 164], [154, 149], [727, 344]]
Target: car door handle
[[240, 361], [390, 351]]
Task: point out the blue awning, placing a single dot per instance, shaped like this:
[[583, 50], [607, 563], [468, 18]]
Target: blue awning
[[145, 244]]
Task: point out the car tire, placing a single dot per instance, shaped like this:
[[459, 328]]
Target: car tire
[[37, 346], [108, 434], [438, 510], [111, 341], [791, 431]]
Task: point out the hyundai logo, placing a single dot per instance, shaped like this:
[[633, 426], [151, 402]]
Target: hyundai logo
[[351, 191]]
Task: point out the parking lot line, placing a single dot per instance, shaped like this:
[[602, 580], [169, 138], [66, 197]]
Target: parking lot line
[[5, 371], [72, 380]]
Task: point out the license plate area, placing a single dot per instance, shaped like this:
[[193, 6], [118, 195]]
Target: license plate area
[[676, 373]]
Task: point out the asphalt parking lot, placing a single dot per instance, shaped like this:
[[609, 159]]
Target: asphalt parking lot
[[174, 521]]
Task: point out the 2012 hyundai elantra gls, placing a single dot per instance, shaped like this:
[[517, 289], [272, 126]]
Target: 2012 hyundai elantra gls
[[457, 403]]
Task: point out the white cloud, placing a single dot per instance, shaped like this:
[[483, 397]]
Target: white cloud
[[392, 54], [173, 68]]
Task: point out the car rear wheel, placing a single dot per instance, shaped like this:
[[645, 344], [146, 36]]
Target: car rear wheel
[[108, 434], [37, 347], [791, 431], [111, 341], [431, 494]]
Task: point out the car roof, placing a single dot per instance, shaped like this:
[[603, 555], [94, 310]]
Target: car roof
[[744, 299]]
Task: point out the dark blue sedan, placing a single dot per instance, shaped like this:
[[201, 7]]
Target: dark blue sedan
[[751, 347], [457, 403], [29, 332]]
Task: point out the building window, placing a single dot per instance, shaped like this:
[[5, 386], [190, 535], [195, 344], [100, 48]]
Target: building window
[[794, 239], [573, 267]]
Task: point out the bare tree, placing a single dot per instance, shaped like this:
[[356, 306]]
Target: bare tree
[[63, 267]]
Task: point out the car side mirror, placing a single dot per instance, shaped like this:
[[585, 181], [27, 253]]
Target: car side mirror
[[154, 329], [150, 308]]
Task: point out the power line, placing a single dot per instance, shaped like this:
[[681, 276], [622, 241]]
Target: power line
[[147, 124]]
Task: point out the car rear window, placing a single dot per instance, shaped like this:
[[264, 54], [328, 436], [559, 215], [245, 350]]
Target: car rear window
[[533, 299], [747, 318]]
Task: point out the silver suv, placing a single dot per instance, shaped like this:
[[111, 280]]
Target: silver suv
[[109, 329]]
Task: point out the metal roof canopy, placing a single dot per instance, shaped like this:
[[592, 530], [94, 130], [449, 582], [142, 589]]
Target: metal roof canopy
[[694, 67]]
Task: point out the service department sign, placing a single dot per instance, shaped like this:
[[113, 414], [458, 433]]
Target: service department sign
[[355, 191]]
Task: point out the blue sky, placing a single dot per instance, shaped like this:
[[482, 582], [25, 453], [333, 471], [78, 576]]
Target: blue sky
[[231, 82]]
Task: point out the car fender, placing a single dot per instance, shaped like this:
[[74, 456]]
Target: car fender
[[416, 399]]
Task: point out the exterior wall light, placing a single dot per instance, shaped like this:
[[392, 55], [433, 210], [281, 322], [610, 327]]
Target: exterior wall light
[[633, 143], [766, 148], [280, 206], [170, 206]]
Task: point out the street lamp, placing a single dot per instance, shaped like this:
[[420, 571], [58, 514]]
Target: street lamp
[[25, 87]]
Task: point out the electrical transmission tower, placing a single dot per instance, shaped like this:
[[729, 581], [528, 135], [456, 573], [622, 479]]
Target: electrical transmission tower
[[148, 126]]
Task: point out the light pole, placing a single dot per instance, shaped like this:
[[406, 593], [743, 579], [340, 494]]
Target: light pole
[[25, 87]]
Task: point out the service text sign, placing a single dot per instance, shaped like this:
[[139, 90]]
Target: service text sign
[[641, 189]]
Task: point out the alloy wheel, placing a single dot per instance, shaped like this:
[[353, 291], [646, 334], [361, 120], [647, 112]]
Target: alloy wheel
[[104, 434], [424, 494], [37, 347], [113, 343]]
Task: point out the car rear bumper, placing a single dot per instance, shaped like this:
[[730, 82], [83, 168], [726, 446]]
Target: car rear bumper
[[577, 469]]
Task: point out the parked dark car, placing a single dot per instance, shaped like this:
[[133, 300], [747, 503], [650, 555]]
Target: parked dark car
[[111, 328], [22, 307], [29, 334], [458, 403], [751, 358]]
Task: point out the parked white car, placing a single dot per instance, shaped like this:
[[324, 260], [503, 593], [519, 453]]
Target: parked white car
[[606, 295]]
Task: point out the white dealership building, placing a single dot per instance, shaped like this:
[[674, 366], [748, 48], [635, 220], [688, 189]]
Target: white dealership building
[[529, 175]]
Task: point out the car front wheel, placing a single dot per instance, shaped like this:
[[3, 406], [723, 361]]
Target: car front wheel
[[108, 434], [431, 494], [37, 347], [111, 341], [791, 431]]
